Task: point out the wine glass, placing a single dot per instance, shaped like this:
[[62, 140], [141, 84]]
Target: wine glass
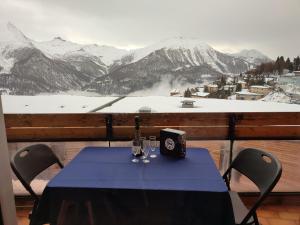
[[136, 150], [146, 150], [152, 140], [142, 139]]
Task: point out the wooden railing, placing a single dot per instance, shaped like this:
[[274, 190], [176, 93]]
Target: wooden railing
[[110, 127]]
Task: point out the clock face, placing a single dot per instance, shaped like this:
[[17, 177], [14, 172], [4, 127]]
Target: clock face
[[170, 144]]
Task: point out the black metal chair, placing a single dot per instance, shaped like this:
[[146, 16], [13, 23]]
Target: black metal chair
[[264, 170], [29, 162]]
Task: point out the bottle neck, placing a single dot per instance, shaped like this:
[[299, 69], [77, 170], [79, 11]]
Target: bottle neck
[[137, 134]]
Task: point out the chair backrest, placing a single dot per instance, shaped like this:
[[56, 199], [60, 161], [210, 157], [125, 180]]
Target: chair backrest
[[262, 168], [30, 161]]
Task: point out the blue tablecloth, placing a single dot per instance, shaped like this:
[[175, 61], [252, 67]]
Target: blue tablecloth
[[165, 191]]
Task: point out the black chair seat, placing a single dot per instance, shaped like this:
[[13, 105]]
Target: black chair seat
[[239, 208]]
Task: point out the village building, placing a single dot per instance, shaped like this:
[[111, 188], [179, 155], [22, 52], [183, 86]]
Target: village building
[[212, 88], [175, 92], [259, 89], [200, 94], [231, 88], [243, 84], [285, 71], [246, 95], [200, 89], [297, 73]]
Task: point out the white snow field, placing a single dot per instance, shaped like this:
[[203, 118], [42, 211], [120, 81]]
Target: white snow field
[[81, 104], [52, 103], [173, 104]]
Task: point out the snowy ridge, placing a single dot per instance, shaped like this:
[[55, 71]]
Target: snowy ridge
[[60, 48], [57, 47], [10, 35], [10, 39], [193, 50], [108, 54], [252, 56], [173, 43]]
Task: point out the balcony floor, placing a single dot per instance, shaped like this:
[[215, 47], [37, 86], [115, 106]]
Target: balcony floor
[[286, 212]]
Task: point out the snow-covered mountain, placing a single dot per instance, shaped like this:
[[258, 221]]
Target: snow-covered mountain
[[177, 60], [31, 67], [61, 48], [11, 39], [188, 51], [25, 69], [252, 56]]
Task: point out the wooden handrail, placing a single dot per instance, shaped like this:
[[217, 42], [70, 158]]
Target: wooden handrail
[[199, 126]]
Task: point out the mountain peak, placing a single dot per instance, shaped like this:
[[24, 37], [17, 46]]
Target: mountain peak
[[252, 56], [9, 33], [175, 43], [59, 39], [252, 53], [183, 42]]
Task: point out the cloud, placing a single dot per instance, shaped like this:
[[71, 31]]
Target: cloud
[[271, 26]]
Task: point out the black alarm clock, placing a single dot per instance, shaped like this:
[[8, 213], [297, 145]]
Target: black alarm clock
[[173, 142]]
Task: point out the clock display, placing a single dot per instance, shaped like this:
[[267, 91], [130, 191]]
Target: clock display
[[170, 144]]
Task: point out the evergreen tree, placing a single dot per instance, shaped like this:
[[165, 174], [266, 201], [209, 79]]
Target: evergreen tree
[[223, 81], [187, 93], [288, 65], [281, 64], [276, 65], [296, 63], [238, 87], [205, 88]]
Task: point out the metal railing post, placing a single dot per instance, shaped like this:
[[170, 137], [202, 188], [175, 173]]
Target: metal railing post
[[232, 123], [109, 128]]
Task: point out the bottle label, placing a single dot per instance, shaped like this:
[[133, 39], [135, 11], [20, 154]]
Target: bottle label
[[136, 150]]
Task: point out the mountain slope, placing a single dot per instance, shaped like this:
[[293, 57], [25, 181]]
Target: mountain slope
[[190, 51], [11, 39], [90, 59], [27, 70], [252, 56], [30, 67], [180, 61], [60, 48]]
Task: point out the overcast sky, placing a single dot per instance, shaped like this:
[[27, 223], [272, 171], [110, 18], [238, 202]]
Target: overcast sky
[[271, 26]]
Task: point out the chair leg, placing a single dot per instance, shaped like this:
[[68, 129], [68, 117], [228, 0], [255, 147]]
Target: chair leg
[[255, 219]]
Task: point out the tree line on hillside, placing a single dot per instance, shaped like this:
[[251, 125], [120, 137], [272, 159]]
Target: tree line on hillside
[[277, 67]]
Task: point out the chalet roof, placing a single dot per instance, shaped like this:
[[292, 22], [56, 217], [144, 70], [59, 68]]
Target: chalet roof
[[212, 85], [248, 93], [201, 94], [260, 86]]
